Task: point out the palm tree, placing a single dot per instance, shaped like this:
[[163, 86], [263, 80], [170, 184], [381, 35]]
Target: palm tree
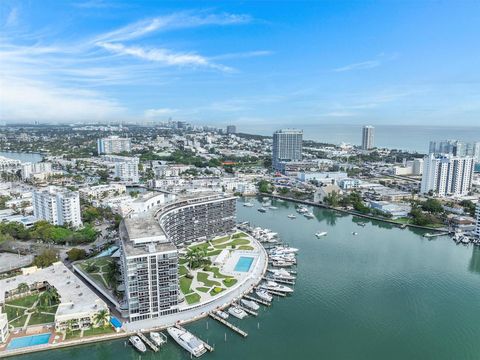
[[102, 317], [23, 287], [49, 296]]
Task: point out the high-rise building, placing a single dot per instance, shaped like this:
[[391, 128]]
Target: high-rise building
[[287, 146], [231, 129], [455, 148], [368, 135], [113, 145], [477, 215], [447, 174], [127, 171], [57, 206]]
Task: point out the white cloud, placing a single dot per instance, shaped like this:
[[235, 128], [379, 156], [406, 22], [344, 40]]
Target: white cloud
[[170, 22], [370, 64], [163, 56], [28, 100], [153, 113], [243, 55]]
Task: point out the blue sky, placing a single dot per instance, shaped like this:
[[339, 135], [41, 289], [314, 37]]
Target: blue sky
[[247, 63]]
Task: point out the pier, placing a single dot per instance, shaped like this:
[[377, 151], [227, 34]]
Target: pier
[[280, 280], [208, 347], [260, 301], [247, 310], [147, 341], [229, 325], [273, 291]]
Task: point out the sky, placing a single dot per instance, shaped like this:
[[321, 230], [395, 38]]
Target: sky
[[241, 62]]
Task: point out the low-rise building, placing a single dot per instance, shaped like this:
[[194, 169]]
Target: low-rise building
[[4, 331], [102, 191], [394, 210]]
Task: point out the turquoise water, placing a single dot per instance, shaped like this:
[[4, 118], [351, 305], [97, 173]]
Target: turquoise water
[[243, 264], [23, 157], [386, 293], [32, 340], [107, 252]]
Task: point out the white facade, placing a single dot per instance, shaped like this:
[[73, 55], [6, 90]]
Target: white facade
[[3, 327], [7, 164], [287, 146], [102, 191], [127, 171], [368, 137], [30, 169], [447, 175], [322, 176], [477, 215], [57, 206], [114, 145]]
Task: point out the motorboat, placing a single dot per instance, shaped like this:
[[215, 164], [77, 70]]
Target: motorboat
[[309, 215], [262, 210], [250, 304], [264, 295], [222, 314], [285, 249], [291, 216], [272, 207], [273, 286], [320, 234], [302, 210], [282, 263], [247, 204], [137, 343], [158, 338], [237, 312], [188, 341], [354, 233], [281, 274], [362, 224]]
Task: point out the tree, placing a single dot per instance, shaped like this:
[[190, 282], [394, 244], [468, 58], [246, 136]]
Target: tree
[[49, 297], [23, 288], [76, 254], [46, 258], [196, 257], [101, 318], [432, 206], [332, 199], [264, 186]]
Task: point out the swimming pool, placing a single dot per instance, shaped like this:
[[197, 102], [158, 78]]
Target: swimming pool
[[107, 252], [243, 264], [25, 341]]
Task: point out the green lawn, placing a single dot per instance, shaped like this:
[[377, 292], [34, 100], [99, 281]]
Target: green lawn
[[12, 312], [245, 247], [98, 331], [216, 290], [182, 270], [220, 240], [203, 289], [216, 272], [26, 301], [185, 284], [200, 246], [214, 252], [239, 235], [19, 322], [235, 242], [192, 298], [36, 319], [229, 282], [72, 335], [182, 261], [203, 278]]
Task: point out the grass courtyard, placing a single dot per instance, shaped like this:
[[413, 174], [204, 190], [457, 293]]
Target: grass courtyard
[[204, 279], [29, 310], [102, 270]]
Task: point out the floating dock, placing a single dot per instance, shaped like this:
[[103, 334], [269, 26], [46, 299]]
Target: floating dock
[[282, 281], [208, 347], [273, 292], [247, 310], [229, 325], [147, 341], [260, 301]]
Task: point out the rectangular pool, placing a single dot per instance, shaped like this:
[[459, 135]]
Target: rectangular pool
[[243, 264], [31, 340]]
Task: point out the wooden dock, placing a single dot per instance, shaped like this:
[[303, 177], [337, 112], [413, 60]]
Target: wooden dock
[[229, 325], [282, 281], [273, 291], [147, 341], [208, 347], [260, 301], [247, 310]]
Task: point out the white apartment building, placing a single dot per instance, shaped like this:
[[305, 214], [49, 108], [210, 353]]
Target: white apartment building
[[412, 167], [287, 146], [447, 175], [170, 170], [127, 171], [57, 206], [368, 134], [7, 164], [102, 191], [3, 327], [477, 225], [113, 145], [31, 169]]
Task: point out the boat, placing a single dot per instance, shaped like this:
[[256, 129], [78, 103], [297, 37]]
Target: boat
[[250, 304], [282, 263], [158, 338], [272, 285], [291, 216], [265, 198], [302, 210], [354, 233], [248, 204], [280, 200], [281, 274], [320, 234], [222, 314], [188, 341], [465, 240], [284, 249], [264, 295], [362, 224], [272, 207], [309, 215], [262, 210], [137, 343], [237, 312]]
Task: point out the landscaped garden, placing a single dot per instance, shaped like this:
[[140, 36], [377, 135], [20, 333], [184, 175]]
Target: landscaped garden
[[102, 270], [198, 277]]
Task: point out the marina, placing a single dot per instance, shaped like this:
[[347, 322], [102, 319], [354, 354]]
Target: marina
[[229, 325]]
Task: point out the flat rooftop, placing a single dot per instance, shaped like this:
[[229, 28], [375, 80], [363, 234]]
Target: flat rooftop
[[75, 296]]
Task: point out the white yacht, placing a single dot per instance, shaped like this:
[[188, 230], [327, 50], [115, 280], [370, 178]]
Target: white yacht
[[248, 204], [320, 234], [292, 216], [281, 274], [137, 343], [250, 304], [188, 341], [282, 263], [264, 295], [262, 210], [272, 207], [309, 215], [354, 233], [237, 312], [272, 285], [302, 210], [222, 314], [284, 249], [158, 338]]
